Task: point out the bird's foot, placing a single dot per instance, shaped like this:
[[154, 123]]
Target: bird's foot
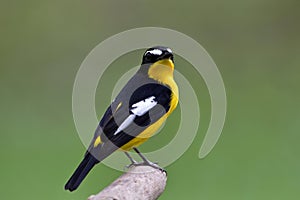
[[154, 165], [133, 164], [146, 163]]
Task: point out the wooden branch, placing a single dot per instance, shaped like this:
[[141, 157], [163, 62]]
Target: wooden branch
[[139, 183]]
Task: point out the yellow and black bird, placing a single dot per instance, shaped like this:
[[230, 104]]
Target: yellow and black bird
[[136, 114]]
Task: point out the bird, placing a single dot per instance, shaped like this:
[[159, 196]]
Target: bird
[[137, 112]]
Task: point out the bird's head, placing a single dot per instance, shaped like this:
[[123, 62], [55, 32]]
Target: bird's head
[[157, 53]]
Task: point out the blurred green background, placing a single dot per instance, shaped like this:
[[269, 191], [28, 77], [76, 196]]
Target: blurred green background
[[254, 43]]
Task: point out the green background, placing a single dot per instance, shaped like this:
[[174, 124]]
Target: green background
[[254, 43]]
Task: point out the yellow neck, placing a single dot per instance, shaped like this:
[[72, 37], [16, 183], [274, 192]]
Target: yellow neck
[[161, 70]]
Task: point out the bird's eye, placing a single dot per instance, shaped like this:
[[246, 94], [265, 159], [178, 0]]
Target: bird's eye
[[148, 56]]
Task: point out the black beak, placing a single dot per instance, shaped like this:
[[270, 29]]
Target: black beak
[[167, 55]]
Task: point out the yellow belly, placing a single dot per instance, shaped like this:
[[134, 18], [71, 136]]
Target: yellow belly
[[148, 132], [145, 135]]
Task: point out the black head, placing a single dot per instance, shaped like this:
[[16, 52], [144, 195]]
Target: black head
[[157, 53]]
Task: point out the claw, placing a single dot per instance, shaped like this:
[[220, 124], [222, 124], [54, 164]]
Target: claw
[[148, 162], [145, 162], [133, 162], [131, 165]]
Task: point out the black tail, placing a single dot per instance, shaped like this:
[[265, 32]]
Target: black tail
[[80, 173]]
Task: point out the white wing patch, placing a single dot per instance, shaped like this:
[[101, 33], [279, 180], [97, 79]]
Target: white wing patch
[[138, 109], [125, 124], [155, 52], [143, 106]]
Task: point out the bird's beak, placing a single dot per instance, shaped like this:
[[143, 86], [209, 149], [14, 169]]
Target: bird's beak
[[168, 56], [167, 62]]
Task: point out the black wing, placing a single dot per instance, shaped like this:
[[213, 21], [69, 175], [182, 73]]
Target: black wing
[[122, 107], [162, 96]]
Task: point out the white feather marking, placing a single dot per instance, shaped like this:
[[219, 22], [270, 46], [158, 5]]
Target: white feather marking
[[125, 124], [155, 52], [138, 109], [169, 50], [143, 106]]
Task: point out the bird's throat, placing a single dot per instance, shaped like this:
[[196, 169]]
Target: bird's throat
[[161, 70]]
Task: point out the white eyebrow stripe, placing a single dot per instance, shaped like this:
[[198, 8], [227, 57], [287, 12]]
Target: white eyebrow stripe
[[155, 51], [169, 50]]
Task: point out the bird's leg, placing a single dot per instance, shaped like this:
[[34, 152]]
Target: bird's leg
[[146, 161], [133, 162]]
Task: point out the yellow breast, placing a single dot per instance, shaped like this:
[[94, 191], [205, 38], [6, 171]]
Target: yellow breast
[[161, 71]]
